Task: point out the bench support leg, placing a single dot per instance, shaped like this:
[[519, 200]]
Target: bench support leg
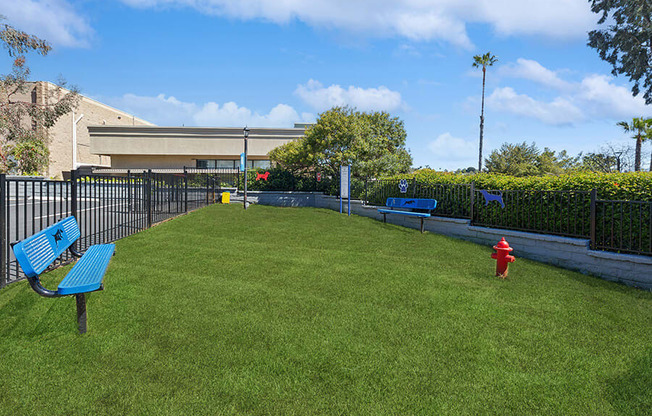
[[81, 312], [422, 225], [384, 217]]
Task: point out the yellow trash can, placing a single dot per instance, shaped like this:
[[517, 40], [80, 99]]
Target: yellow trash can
[[226, 197]]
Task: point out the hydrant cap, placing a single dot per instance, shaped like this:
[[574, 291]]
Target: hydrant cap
[[503, 245]]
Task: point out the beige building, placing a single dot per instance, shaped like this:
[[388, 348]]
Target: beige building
[[97, 135], [147, 147], [69, 140]]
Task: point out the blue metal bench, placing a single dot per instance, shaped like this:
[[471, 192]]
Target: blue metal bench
[[422, 206], [36, 253]]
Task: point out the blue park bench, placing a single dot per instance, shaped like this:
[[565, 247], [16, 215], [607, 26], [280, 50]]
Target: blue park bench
[[36, 253], [420, 207]]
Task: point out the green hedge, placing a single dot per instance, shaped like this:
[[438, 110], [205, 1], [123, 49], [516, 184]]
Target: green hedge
[[636, 186], [283, 180]]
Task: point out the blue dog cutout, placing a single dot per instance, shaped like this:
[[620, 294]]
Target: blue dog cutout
[[403, 185], [493, 197]]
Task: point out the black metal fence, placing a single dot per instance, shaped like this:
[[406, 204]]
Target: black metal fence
[[564, 213], [107, 206], [625, 226], [621, 226]]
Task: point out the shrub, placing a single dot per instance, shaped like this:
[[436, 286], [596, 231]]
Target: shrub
[[635, 186]]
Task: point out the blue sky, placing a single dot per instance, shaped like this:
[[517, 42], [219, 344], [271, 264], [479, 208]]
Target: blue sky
[[272, 63]]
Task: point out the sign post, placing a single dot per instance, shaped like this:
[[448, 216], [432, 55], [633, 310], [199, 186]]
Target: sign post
[[345, 186], [243, 161]]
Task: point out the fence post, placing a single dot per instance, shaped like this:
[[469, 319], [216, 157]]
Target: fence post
[[472, 201], [129, 207], [148, 198], [414, 187], [3, 230], [74, 197], [185, 187], [366, 181], [594, 197], [207, 190], [73, 193]]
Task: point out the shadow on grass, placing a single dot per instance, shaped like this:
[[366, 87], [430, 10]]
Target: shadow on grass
[[30, 316], [595, 282], [631, 392]]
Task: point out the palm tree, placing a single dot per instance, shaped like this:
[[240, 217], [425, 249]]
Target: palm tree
[[642, 129], [483, 61]]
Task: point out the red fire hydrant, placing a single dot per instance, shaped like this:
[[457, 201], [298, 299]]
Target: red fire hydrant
[[502, 257]]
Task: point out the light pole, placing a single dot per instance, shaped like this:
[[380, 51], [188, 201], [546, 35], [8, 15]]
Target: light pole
[[246, 135]]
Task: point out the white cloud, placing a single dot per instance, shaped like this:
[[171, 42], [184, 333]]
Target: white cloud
[[610, 100], [453, 152], [169, 111], [559, 111], [53, 20], [556, 19], [595, 97], [323, 98], [419, 20], [534, 71]]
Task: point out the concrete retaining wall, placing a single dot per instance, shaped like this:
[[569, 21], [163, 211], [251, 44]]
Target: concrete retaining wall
[[569, 253]]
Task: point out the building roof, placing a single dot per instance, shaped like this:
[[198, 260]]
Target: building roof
[[195, 132]]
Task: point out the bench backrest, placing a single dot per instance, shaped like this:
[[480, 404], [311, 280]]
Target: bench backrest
[[36, 253], [414, 203]]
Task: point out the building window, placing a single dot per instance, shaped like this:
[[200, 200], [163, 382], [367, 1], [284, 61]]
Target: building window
[[231, 164], [225, 163], [216, 163], [262, 164]]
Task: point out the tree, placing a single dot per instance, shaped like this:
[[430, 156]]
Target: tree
[[23, 125], [623, 154], [373, 143], [599, 162], [642, 129], [522, 159], [483, 61], [470, 170], [627, 42]]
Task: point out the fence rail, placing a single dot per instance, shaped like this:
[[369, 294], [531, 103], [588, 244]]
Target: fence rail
[[107, 206], [621, 226], [625, 226]]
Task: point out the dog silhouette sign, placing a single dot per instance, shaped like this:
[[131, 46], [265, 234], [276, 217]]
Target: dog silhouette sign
[[493, 197]]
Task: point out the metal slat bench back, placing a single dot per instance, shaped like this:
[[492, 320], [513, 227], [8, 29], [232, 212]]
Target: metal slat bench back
[[413, 203], [36, 253]]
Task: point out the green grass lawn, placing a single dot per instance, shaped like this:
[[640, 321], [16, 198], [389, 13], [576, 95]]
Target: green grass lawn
[[306, 311]]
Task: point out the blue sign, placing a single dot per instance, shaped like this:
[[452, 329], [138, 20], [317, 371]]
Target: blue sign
[[242, 161], [345, 186]]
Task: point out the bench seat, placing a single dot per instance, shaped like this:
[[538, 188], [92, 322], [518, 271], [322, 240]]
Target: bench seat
[[87, 274], [409, 213]]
